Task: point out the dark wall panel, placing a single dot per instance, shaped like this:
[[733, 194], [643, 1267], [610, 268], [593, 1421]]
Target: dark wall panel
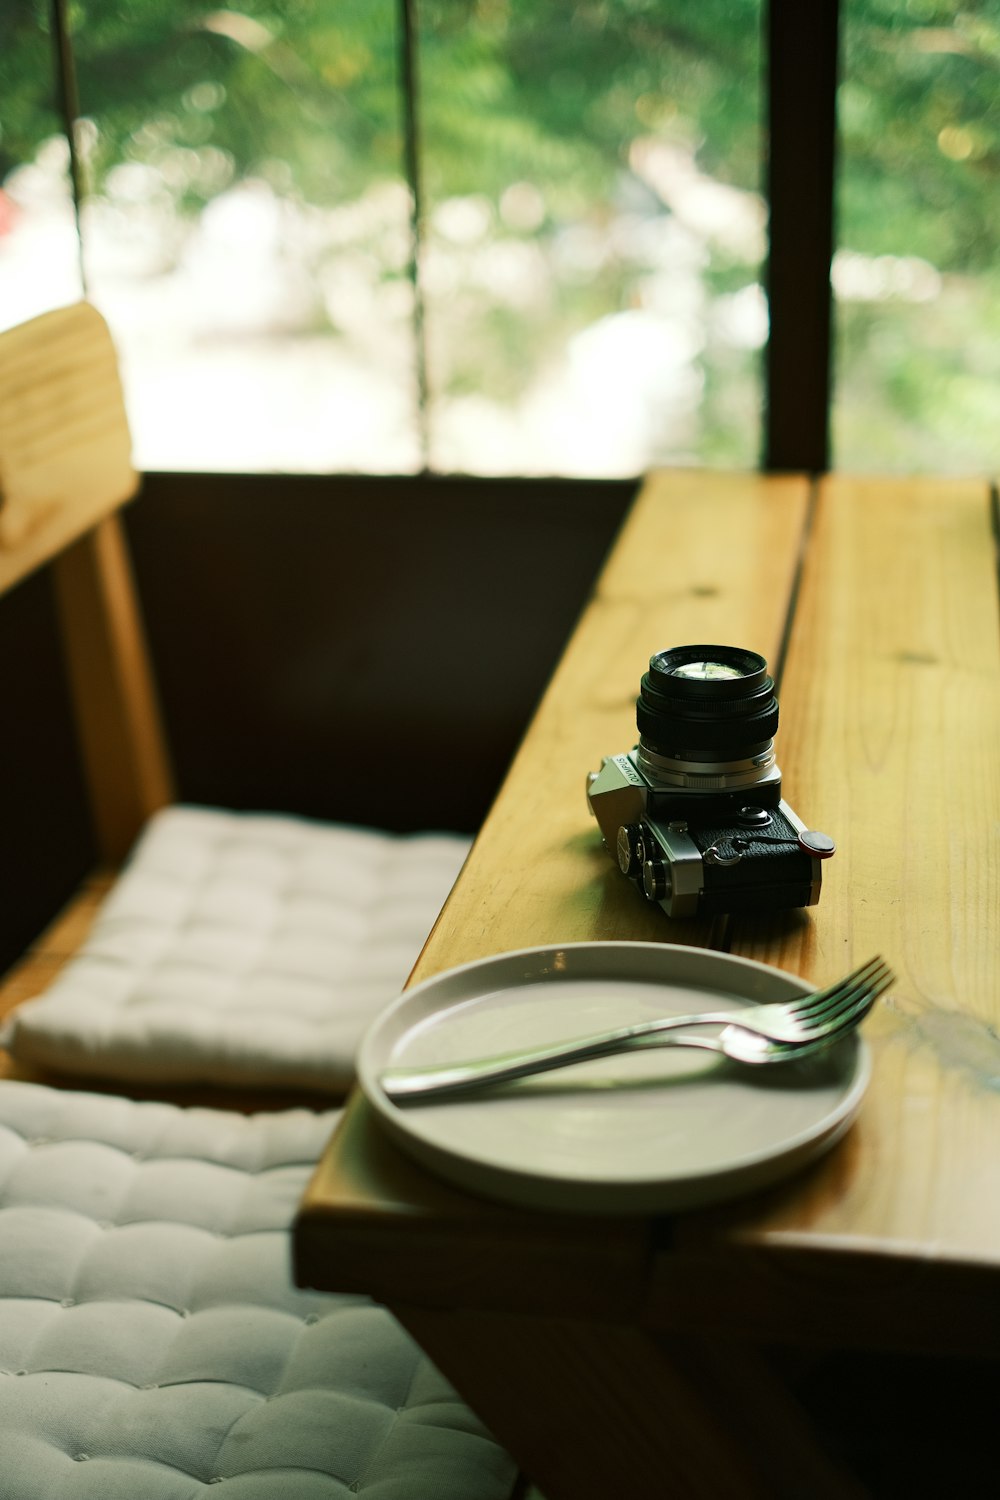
[[46, 840], [367, 650]]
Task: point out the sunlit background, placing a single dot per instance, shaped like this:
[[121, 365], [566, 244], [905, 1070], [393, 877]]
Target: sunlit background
[[593, 231]]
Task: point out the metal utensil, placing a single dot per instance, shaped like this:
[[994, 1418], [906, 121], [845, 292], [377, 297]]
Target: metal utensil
[[757, 1035]]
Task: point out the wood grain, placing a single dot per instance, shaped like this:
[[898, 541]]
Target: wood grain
[[116, 709], [704, 557], [65, 468], [65, 449], [890, 721], [890, 728]]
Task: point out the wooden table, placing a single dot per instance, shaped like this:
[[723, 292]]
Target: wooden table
[[657, 1357]]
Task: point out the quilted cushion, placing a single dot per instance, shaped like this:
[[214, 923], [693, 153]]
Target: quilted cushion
[[152, 1342], [241, 948]]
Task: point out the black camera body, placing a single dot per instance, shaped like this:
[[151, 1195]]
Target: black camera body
[[694, 813]]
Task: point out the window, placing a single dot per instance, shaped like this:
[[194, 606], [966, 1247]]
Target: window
[[592, 230], [519, 236]]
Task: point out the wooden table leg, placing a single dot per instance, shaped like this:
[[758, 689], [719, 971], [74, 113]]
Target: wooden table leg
[[593, 1409]]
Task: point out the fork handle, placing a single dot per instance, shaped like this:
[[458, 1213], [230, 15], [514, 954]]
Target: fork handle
[[452, 1078]]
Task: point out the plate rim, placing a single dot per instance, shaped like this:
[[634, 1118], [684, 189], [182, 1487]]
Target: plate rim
[[654, 1193]]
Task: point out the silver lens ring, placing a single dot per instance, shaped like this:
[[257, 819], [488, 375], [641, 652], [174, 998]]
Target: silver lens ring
[[705, 775]]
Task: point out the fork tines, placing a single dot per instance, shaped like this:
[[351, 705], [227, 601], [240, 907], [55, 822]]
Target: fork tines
[[851, 997]]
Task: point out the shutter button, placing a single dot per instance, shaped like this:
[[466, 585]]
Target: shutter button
[[753, 817]]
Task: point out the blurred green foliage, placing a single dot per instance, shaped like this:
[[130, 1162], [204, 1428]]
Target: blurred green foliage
[[311, 85], [306, 95], [919, 120], [516, 87], [919, 117], [510, 86]]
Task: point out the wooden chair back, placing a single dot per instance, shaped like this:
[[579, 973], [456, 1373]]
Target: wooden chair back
[[65, 472]]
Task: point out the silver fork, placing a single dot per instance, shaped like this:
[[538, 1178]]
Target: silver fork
[[755, 1034]]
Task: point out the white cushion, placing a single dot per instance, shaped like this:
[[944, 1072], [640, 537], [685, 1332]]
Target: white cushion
[[152, 1342], [241, 949]]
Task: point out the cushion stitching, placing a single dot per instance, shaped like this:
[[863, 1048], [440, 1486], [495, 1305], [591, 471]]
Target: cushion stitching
[[225, 1436], [373, 1458]]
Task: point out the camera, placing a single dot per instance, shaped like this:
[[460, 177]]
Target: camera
[[694, 813]]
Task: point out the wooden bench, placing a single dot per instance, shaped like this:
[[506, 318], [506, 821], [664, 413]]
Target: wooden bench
[[656, 1355]]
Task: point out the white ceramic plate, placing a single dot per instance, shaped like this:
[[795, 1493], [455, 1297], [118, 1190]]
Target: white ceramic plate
[[653, 1131]]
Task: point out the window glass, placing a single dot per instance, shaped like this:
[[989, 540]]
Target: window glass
[[594, 233], [593, 228], [39, 250], [246, 230], [916, 274]]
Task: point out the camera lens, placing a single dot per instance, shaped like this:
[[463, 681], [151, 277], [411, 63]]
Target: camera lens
[[706, 712]]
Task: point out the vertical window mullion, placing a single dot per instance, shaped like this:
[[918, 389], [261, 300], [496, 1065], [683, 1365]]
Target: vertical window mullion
[[69, 108], [409, 74], [802, 87]]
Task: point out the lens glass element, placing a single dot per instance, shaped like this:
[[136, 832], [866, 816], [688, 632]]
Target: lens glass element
[[705, 671]]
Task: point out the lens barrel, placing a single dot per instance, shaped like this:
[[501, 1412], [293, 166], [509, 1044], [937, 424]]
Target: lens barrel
[[707, 702]]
